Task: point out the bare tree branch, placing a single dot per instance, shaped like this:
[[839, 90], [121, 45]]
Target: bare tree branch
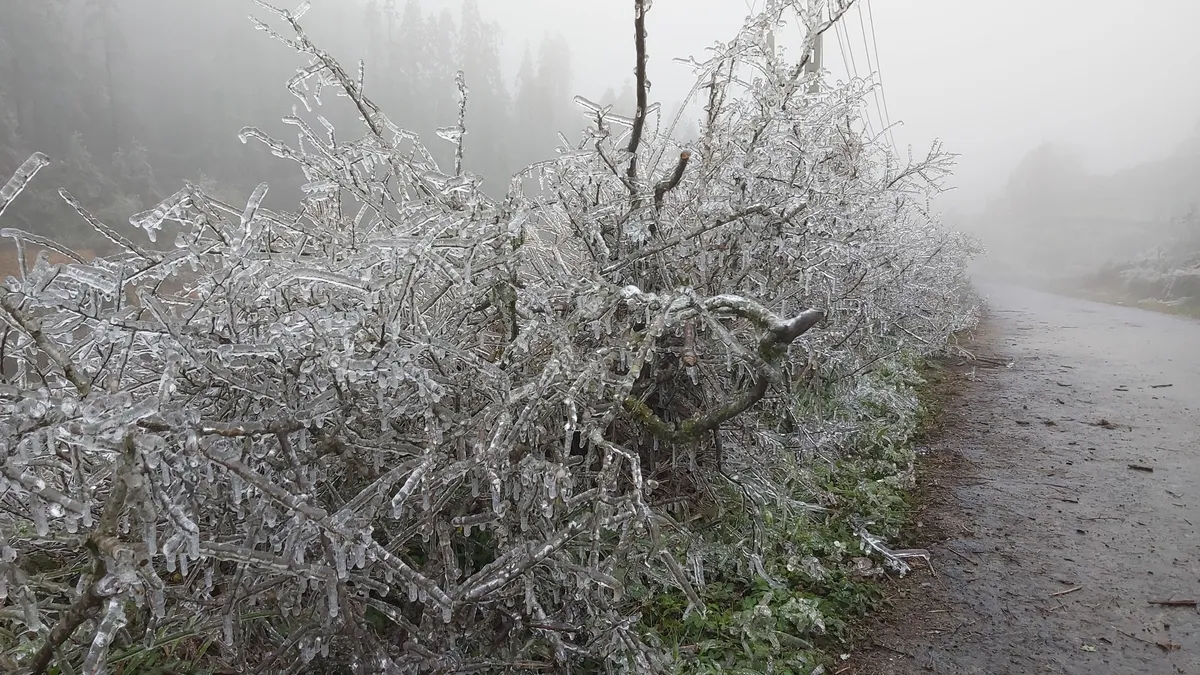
[[639, 117]]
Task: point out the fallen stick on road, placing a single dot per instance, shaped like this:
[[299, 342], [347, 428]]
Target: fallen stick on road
[[963, 556], [1173, 603], [1069, 590], [1160, 386], [1166, 646], [1139, 467]]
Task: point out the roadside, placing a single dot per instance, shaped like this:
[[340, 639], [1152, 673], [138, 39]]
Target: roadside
[[1059, 502], [1186, 306]]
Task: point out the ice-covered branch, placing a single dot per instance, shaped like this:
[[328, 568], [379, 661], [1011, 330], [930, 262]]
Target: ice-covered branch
[[93, 595], [32, 327], [776, 333], [672, 181], [431, 430], [640, 7]]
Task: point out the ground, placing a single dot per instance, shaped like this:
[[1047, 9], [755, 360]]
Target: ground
[[1059, 501]]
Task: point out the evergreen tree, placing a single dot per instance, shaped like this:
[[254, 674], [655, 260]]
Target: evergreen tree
[[527, 114], [554, 87], [488, 107]]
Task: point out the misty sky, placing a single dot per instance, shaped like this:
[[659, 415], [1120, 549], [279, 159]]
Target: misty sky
[[1113, 78]]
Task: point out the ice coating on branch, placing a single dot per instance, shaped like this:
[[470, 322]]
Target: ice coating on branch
[[151, 221], [21, 178], [453, 134]]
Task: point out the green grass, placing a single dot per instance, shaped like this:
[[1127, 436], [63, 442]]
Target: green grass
[[805, 618]]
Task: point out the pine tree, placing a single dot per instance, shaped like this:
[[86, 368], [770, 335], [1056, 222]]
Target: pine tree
[[488, 106]]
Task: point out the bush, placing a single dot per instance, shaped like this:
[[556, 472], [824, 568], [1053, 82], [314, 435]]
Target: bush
[[410, 428]]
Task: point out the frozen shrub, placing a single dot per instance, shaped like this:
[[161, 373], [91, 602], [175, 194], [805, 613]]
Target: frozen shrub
[[410, 428]]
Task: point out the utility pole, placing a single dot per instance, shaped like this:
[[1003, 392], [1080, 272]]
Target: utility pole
[[814, 60], [814, 63]]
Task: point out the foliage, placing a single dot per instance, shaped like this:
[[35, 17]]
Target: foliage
[[409, 427], [788, 611]]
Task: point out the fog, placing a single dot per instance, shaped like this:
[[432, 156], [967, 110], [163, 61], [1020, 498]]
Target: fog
[[1104, 86], [1107, 84], [992, 80]]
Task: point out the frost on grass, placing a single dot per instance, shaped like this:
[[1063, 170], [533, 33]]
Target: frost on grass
[[408, 427]]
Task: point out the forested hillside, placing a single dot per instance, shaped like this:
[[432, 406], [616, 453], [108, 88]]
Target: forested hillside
[[129, 98], [1054, 219]]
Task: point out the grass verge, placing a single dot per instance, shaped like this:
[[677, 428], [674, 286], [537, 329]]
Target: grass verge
[[1187, 307], [795, 611]]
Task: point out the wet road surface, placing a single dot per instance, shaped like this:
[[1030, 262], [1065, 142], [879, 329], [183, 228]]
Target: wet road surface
[[1077, 507]]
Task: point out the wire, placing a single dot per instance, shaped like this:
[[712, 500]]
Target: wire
[[845, 45], [879, 71], [870, 68]]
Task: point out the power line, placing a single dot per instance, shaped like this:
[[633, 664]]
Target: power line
[[879, 84], [838, 31], [879, 70]]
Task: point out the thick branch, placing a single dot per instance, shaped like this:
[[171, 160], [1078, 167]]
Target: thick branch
[[785, 332], [76, 614], [836, 11], [778, 333], [671, 182], [639, 116], [232, 429]]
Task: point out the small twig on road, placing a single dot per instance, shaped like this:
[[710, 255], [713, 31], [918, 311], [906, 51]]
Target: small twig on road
[[1161, 386], [1139, 467], [1173, 603], [1131, 635], [1104, 518], [894, 650], [1165, 645], [964, 557], [1069, 590]]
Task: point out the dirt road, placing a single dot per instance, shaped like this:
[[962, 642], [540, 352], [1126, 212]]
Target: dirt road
[[1074, 502]]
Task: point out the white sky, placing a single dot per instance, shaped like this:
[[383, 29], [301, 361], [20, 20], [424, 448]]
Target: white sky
[[1114, 78]]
